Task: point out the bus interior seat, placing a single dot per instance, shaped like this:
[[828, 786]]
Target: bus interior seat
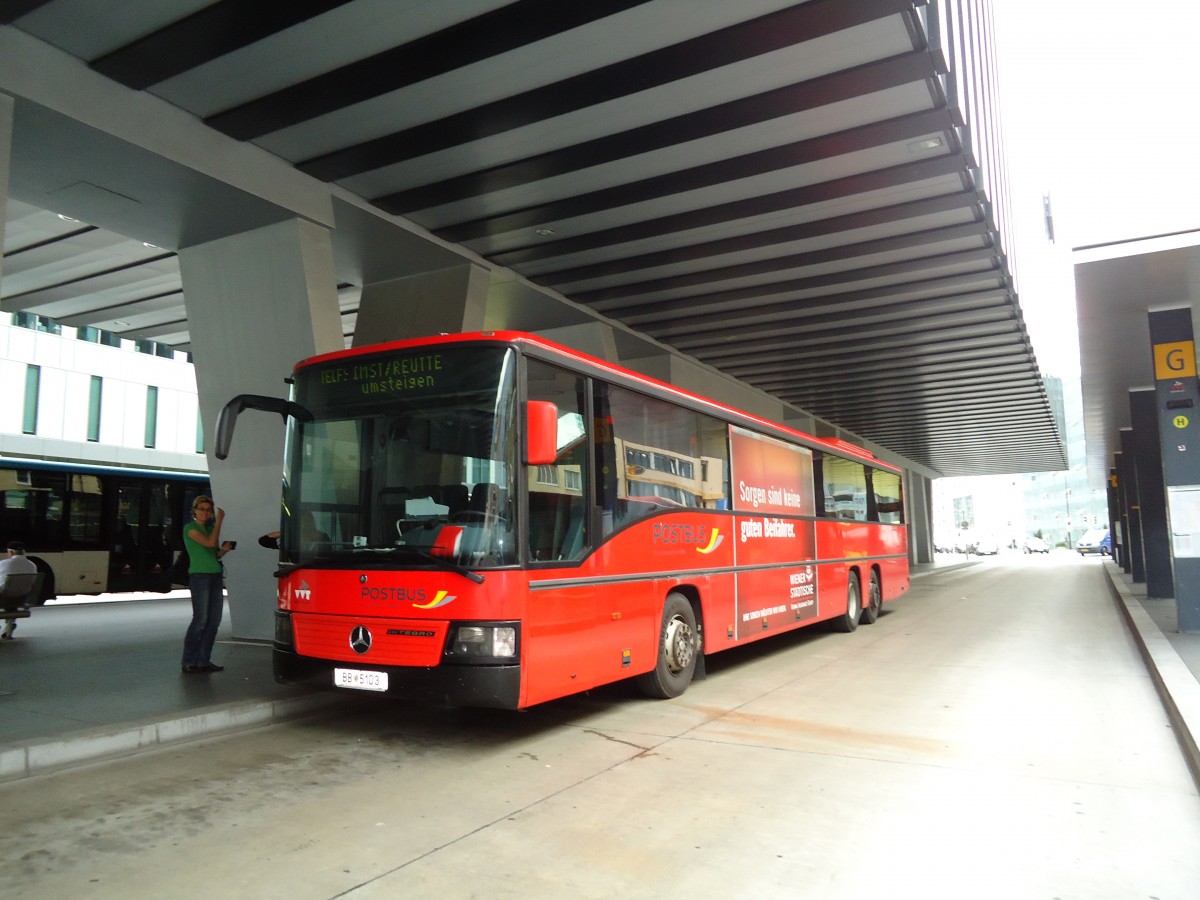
[[555, 526], [574, 540], [432, 491], [456, 497], [392, 509], [485, 498]]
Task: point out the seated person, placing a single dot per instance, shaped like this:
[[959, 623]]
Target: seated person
[[17, 574]]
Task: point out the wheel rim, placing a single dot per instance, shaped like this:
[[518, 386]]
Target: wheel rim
[[679, 645], [854, 606], [876, 596]]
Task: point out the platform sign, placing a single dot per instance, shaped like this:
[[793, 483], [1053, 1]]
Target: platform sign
[[1177, 398]]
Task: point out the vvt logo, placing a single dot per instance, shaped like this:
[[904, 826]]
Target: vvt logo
[[304, 592]]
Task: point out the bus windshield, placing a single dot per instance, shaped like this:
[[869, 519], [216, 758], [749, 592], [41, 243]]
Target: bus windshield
[[410, 461]]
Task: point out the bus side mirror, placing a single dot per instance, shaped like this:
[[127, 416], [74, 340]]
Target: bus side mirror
[[541, 433], [231, 410]]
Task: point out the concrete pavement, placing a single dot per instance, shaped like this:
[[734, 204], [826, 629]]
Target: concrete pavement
[[85, 681], [995, 734]]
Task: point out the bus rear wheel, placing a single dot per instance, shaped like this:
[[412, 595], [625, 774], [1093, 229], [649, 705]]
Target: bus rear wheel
[[874, 600], [678, 643], [849, 621]]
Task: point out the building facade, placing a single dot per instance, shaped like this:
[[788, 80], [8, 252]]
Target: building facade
[[86, 395]]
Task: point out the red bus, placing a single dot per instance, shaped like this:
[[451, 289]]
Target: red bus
[[495, 520]]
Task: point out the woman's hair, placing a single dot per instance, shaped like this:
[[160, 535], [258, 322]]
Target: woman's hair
[[201, 499]]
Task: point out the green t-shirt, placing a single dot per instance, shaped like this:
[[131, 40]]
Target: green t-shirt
[[201, 560]]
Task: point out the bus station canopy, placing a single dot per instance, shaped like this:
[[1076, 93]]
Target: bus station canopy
[[1116, 285], [805, 196]]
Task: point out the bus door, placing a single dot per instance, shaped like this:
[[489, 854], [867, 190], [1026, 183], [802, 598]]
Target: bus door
[[139, 546]]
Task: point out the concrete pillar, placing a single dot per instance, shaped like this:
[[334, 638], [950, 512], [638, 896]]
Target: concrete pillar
[[1177, 402], [447, 301], [6, 126], [1133, 508], [1156, 538], [1115, 521], [1122, 472], [257, 303], [918, 493], [593, 338]]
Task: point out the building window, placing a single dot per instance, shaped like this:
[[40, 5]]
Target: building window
[[97, 389], [151, 415], [35, 322], [33, 383]]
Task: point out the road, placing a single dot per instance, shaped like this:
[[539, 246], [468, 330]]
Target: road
[[993, 735]]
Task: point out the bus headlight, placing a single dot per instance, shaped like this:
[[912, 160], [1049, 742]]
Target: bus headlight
[[478, 643]]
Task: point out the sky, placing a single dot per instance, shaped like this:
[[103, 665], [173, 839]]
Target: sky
[[1099, 105]]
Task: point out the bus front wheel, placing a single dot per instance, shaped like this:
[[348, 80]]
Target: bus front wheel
[[849, 621], [677, 647]]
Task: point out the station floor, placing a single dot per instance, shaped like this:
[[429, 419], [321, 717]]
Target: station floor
[[83, 681]]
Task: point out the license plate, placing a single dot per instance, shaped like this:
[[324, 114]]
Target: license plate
[[359, 680]]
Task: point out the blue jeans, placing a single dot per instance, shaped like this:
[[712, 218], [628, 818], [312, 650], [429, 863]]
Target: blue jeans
[[208, 602]]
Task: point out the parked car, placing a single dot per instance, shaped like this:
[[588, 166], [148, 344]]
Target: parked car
[[986, 547], [1095, 541], [1035, 544]]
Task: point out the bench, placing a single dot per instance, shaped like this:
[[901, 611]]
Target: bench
[[21, 592]]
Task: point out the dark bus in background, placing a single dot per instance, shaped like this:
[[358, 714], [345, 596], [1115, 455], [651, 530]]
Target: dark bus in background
[[96, 529]]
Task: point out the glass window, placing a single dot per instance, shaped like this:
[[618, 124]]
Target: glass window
[[33, 384], [671, 457], [151, 415], [87, 502], [94, 396], [557, 504], [841, 487], [32, 503], [127, 532], [411, 455], [889, 497]]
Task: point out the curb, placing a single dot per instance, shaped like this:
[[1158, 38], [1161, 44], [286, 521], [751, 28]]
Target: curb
[[76, 748], [1177, 687]]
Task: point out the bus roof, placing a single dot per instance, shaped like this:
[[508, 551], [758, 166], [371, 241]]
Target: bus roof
[[50, 465]]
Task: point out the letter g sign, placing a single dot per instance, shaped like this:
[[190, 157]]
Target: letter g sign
[[1176, 360]]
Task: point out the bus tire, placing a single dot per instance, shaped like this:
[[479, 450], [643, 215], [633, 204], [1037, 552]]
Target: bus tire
[[848, 621], [874, 600], [678, 645]]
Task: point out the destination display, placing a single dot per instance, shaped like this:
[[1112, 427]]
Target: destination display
[[402, 374]]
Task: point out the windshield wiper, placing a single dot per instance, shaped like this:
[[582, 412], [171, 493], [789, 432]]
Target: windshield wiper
[[438, 561]]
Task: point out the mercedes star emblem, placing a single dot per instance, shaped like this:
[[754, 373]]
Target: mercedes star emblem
[[360, 639]]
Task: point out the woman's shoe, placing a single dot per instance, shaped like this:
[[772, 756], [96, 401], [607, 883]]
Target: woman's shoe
[[210, 667]]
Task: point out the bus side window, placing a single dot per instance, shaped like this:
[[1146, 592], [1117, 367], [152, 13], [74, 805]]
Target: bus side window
[[558, 496]]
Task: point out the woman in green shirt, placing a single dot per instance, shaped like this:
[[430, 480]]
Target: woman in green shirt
[[202, 537]]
